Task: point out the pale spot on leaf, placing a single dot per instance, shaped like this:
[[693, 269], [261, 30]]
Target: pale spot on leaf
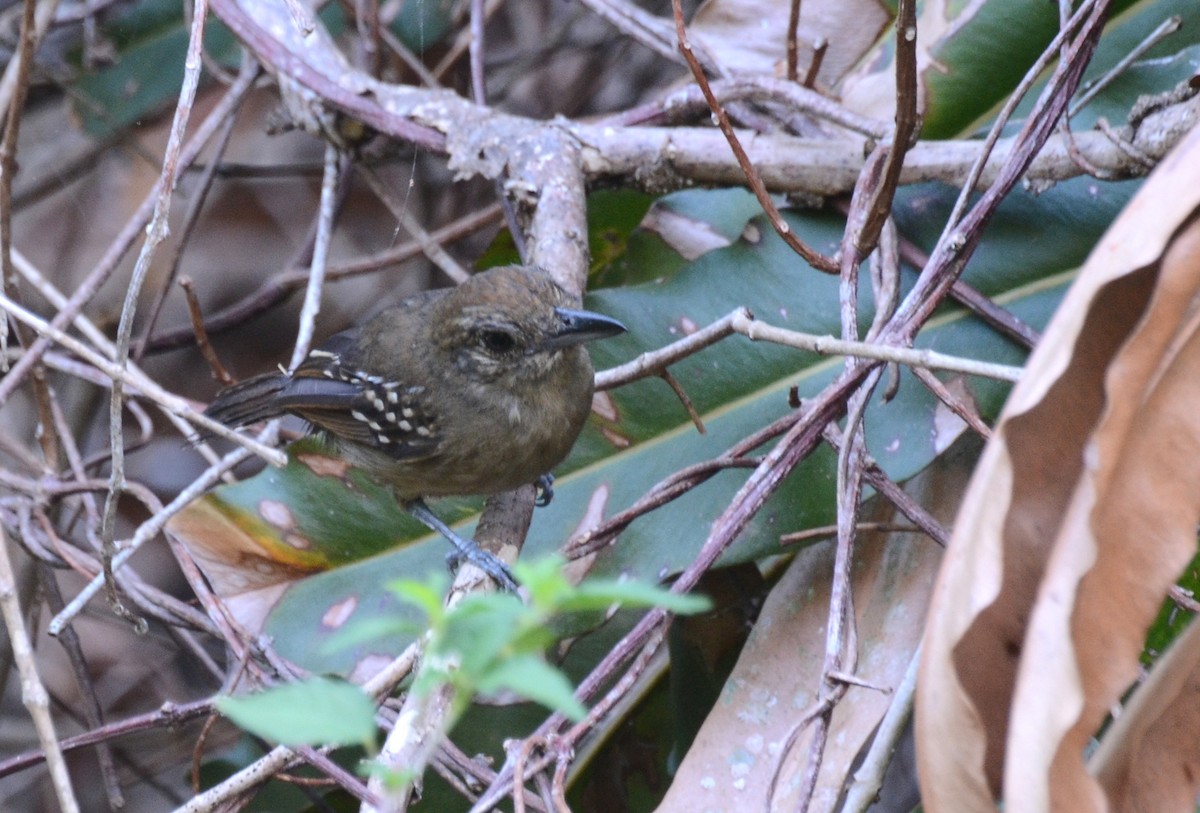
[[324, 465], [339, 613], [298, 541], [277, 514], [947, 426], [604, 406], [616, 438]]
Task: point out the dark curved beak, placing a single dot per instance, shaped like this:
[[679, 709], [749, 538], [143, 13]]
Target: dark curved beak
[[582, 326]]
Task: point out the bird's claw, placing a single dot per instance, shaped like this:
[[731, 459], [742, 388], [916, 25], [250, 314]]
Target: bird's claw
[[545, 490], [488, 562]]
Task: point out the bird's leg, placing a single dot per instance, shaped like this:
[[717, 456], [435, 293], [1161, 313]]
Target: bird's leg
[[545, 490], [465, 549]]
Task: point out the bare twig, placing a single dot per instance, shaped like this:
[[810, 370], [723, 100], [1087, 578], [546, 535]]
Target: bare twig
[[169, 716], [957, 405], [880, 207], [1037, 116], [33, 693], [141, 384], [145, 532], [92, 712], [862, 791], [334, 166], [202, 343], [827, 345], [1164, 29], [820, 48], [841, 635], [654, 362], [689, 100], [156, 232], [13, 91], [813, 258], [792, 45], [190, 219]]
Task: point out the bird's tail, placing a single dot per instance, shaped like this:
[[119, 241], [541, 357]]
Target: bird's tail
[[250, 401]]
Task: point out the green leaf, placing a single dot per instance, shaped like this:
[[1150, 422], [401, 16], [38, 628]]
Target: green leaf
[[426, 596], [146, 78], [423, 25], [601, 594], [318, 711], [481, 629], [531, 677]]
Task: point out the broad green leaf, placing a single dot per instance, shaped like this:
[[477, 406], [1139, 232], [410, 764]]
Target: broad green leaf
[[600, 595], [1175, 59], [318, 711], [738, 388], [423, 25], [533, 678], [145, 79], [972, 56]]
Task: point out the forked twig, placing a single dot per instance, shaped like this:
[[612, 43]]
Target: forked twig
[[812, 257]]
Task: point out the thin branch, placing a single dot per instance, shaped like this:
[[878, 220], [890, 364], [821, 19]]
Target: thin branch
[[13, 92], [156, 232], [33, 692], [689, 101], [191, 219], [145, 532], [880, 207], [793, 33], [334, 166], [957, 405], [1164, 29], [202, 342], [863, 790], [812, 257], [827, 345], [820, 48], [841, 633], [169, 716], [91, 709], [655, 362]]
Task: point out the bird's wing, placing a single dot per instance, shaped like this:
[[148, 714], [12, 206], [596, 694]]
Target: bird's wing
[[328, 391]]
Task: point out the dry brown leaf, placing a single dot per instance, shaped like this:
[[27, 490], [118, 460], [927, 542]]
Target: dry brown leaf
[[1079, 517], [731, 763], [1148, 760], [750, 36], [248, 577]]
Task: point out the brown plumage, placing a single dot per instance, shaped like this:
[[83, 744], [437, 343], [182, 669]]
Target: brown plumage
[[470, 390]]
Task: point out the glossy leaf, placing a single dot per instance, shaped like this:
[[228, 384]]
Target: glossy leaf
[[317, 711]]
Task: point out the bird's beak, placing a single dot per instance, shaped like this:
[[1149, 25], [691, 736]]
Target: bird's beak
[[582, 326]]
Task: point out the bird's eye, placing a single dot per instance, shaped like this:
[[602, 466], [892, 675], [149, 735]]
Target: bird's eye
[[498, 341]]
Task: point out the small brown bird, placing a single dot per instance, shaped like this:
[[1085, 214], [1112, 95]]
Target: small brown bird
[[476, 389]]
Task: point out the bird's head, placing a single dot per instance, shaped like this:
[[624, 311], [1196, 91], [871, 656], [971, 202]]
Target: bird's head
[[513, 324]]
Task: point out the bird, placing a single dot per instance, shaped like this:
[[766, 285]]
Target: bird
[[472, 390]]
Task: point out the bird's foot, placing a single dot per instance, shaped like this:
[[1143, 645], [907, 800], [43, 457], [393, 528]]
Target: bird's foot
[[545, 490], [467, 550], [488, 562]]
